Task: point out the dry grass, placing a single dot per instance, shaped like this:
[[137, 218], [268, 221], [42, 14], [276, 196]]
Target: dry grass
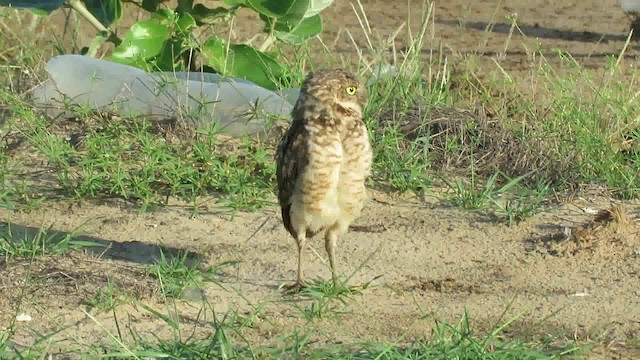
[[461, 140]]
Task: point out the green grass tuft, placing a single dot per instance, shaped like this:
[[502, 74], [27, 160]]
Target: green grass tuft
[[41, 244], [180, 273]]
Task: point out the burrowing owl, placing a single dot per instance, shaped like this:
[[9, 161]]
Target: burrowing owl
[[323, 160]]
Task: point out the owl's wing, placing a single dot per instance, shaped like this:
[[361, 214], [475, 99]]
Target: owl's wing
[[291, 160]]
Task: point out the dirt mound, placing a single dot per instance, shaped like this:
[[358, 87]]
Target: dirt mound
[[460, 139], [610, 232]]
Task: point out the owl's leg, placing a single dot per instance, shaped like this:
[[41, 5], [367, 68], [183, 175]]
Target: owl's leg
[[302, 241], [330, 240]]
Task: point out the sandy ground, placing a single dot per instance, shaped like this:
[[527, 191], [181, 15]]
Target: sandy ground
[[435, 260]]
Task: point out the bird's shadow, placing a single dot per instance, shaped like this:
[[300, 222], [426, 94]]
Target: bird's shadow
[[130, 251], [538, 31]]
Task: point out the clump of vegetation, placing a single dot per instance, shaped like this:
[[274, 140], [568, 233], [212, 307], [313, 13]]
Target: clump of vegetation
[[131, 159], [180, 273], [168, 38], [566, 143]]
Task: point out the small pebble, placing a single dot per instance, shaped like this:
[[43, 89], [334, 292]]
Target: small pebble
[[589, 210], [23, 317]]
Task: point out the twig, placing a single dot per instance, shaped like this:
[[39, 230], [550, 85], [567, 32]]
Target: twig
[[267, 43], [270, 38]]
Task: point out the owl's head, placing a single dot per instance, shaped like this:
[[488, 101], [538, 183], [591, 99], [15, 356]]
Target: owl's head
[[336, 90]]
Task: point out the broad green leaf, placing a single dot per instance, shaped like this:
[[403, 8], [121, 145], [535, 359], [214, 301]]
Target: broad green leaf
[[106, 11], [306, 29], [205, 15], [42, 5], [185, 22], [152, 5], [292, 9], [143, 41], [214, 51], [163, 14], [169, 58], [243, 61], [235, 2], [316, 6], [256, 66]]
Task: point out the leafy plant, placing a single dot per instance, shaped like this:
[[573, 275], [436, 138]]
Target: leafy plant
[[166, 40]]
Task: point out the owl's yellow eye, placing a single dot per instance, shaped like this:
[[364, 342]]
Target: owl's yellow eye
[[351, 90]]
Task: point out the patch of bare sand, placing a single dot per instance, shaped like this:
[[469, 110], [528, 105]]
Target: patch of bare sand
[[435, 261]]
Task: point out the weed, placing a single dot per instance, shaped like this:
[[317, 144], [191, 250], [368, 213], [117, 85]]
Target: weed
[[403, 169], [524, 204], [447, 341], [105, 299], [459, 342], [324, 294], [402, 166], [40, 244], [14, 194], [180, 273], [468, 196]]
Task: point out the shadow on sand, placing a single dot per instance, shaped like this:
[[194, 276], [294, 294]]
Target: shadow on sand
[[131, 251], [538, 31]]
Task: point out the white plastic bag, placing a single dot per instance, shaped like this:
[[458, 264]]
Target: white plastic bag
[[239, 107]]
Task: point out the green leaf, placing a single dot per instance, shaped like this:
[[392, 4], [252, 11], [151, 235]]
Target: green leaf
[[170, 56], [164, 14], [184, 6], [45, 6], [256, 66], [143, 41], [206, 16], [306, 29], [235, 2], [316, 6], [185, 22], [243, 61], [214, 52], [292, 9], [106, 11], [40, 12]]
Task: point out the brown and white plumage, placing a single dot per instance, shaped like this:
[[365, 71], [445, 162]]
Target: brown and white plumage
[[323, 160]]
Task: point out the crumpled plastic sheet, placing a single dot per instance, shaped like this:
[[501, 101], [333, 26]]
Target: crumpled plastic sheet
[[238, 106]]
